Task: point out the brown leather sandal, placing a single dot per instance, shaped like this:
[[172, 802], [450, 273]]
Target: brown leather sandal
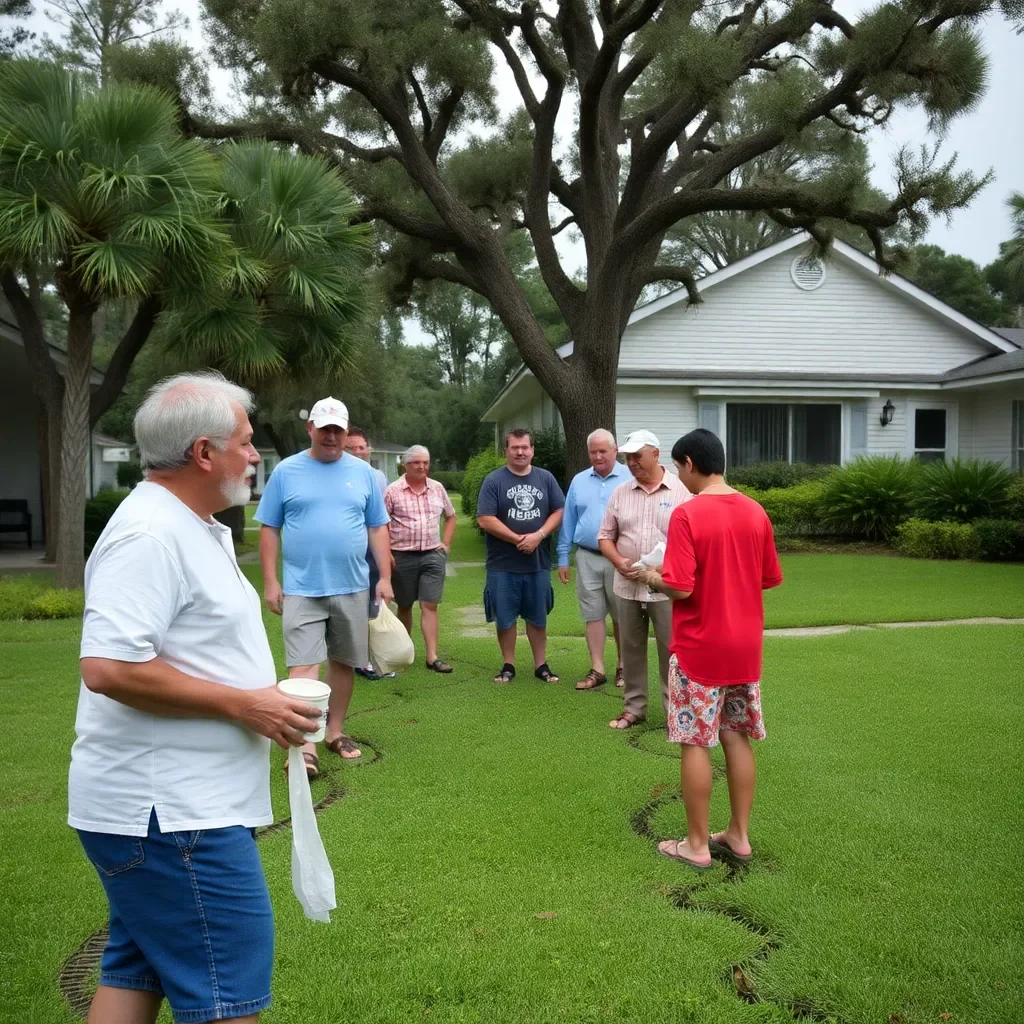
[[345, 748], [312, 765], [592, 680]]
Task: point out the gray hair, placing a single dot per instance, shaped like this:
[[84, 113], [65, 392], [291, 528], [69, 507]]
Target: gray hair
[[594, 435], [180, 410], [416, 449]]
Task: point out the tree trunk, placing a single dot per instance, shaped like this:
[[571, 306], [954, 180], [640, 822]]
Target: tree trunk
[[584, 407], [49, 472], [234, 518], [74, 449]]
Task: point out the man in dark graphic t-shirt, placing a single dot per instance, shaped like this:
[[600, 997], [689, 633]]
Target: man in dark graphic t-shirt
[[519, 507]]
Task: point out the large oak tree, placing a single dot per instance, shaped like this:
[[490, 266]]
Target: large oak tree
[[615, 134]]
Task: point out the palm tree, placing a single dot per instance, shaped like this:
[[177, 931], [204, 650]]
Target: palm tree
[[222, 251], [1014, 249]]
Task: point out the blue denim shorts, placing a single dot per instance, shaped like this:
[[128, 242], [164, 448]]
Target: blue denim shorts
[[190, 919], [509, 596]]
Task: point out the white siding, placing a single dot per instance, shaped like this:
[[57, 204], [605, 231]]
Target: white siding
[[759, 321], [669, 412], [986, 423]]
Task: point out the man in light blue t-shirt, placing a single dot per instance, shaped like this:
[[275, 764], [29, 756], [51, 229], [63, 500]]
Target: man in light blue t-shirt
[[323, 506]]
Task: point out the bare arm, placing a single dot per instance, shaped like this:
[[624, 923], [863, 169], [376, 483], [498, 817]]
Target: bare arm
[[652, 578], [496, 528], [159, 688], [270, 538], [380, 546], [449, 532], [531, 541], [611, 552]]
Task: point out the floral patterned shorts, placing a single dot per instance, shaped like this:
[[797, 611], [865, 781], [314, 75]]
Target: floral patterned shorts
[[696, 712]]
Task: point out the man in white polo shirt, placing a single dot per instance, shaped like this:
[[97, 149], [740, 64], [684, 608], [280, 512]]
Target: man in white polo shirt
[[170, 770]]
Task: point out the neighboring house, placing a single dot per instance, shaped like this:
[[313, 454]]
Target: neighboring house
[[268, 460], [387, 457], [20, 472], [792, 358]]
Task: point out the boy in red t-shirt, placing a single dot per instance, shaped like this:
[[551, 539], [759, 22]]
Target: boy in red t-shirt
[[720, 554]]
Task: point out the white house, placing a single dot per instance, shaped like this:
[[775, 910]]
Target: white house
[[791, 358], [20, 472]]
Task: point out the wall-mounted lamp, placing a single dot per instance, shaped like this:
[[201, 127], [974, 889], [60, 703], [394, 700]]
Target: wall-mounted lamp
[[887, 410]]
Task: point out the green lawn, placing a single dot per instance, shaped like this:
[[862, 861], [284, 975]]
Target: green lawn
[[887, 828]]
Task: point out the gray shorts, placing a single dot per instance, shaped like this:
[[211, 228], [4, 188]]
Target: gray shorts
[[418, 576], [318, 628], [595, 576]]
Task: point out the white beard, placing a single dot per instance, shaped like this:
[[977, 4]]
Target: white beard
[[237, 492]]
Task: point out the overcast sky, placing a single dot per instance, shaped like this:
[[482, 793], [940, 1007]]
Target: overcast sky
[[991, 137]]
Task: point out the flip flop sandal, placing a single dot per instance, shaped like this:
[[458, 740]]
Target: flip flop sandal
[[629, 719], [312, 762], [344, 745], [619, 680], [722, 847], [507, 674], [545, 674], [683, 860], [592, 680], [437, 665]]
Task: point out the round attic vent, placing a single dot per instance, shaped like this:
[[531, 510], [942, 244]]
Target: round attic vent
[[808, 272]]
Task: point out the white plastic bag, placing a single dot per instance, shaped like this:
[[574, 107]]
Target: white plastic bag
[[312, 877], [391, 647]]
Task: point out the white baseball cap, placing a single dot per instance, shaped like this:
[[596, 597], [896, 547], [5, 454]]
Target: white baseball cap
[[329, 411], [637, 440]]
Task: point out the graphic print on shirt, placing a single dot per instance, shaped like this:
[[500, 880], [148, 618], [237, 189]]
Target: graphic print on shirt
[[524, 502]]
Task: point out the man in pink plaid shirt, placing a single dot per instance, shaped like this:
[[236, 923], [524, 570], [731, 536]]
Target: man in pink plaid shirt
[[416, 505]]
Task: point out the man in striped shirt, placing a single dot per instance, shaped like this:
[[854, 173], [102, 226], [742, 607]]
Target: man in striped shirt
[[635, 522], [416, 505]]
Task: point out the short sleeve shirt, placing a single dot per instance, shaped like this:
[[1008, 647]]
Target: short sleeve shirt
[[721, 550], [323, 510], [416, 515], [163, 583], [523, 504]]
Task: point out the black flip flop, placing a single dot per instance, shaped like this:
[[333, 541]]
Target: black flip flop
[[545, 674], [437, 665], [722, 847]]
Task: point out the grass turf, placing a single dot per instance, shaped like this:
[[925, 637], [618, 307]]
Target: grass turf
[[887, 827]]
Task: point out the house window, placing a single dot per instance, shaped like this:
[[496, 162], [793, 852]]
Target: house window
[[783, 433], [930, 435], [1017, 444]]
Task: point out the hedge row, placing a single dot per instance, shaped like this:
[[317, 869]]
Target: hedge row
[[22, 598], [993, 540], [450, 479]]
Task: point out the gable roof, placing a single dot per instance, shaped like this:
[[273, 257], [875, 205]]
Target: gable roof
[[998, 341], [850, 254]]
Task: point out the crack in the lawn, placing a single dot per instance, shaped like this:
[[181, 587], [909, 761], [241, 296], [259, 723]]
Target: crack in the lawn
[[685, 897]]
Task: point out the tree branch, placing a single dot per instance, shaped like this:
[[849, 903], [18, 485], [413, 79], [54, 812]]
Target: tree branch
[[421, 102], [445, 112], [120, 364], [661, 272]]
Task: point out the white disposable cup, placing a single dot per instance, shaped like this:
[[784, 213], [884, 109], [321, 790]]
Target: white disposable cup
[[312, 691]]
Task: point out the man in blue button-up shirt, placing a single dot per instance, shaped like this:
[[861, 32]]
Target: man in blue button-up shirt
[[584, 509]]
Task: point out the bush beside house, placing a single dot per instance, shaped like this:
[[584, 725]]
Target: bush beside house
[[449, 479], [473, 478], [960, 509]]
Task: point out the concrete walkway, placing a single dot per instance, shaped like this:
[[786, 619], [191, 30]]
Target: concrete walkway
[[475, 628], [15, 559]]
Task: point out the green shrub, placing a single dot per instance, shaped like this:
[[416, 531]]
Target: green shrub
[[921, 538], [766, 476], [870, 497], [792, 510], [472, 480], [549, 453], [98, 511], [1000, 540], [1015, 498], [128, 475], [25, 598], [962, 490], [56, 604], [450, 479]]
